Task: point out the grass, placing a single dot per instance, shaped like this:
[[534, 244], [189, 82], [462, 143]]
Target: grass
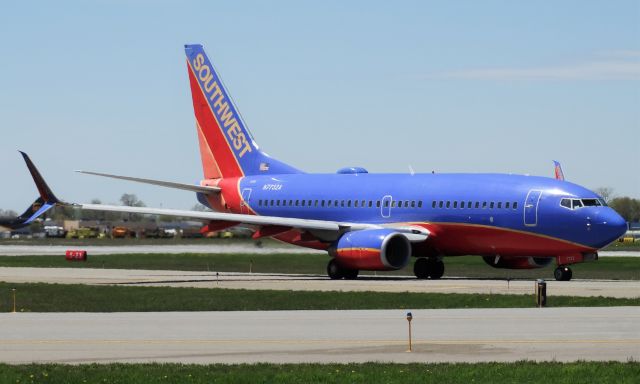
[[518, 372], [622, 268], [40, 297]]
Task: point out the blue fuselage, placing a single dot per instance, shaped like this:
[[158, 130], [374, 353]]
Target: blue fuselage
[[512, 203]]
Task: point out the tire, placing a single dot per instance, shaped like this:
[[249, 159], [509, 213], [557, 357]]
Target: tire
[[350, 274], [558, 274], [563, 274], [437, 270], [334, 271], [421, 268]]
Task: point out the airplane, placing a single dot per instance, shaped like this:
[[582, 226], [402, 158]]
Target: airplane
[[24, 219], [369, 221]]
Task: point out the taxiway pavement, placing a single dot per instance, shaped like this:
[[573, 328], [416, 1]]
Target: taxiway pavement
[[455, 335], [576, 287]]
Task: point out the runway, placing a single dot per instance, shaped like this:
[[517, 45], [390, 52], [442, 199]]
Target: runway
[[461, 335], [575, 287]]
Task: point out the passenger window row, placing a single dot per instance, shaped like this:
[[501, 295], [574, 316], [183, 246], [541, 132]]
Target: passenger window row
[[339, 203], [447, 204]]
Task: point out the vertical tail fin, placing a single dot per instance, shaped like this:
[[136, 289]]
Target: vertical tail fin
[[558, 170], [227, 148]]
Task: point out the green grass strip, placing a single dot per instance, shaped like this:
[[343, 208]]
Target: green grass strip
[[40, 297], [610, 268], [518, 372]]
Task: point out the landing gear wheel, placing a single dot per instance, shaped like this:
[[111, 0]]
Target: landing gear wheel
[[563, 273], [437, 270], [428, 268], [350, 274], [421, 268], [334, 271]]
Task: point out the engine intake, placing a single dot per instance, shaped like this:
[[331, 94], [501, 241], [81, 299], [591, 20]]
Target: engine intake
[[372, 250], [521, 262]]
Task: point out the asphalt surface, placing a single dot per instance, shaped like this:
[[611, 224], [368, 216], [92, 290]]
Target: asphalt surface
[[575, 287], [460, 335]]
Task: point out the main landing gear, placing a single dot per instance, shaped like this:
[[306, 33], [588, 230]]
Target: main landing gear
[[336, 272], [428, 268], [563, 273]]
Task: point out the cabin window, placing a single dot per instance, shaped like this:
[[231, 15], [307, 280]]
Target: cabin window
[[315, 203], [335, 203], [310, 201], [499, 204], [406, 203], [469, 204], [484, 205], [386, 203], [272, 202], [455, 204], [393, 204], [260, 203], [420, 204], [370, 203], [278, 203], [506, 205], [433, 204], [491, 205], [322, 203], [448, 204], [441, 204], [515, 205], [378, 203], [348, 203]]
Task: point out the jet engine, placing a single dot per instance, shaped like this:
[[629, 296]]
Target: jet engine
[[521, 262], [372, 249]]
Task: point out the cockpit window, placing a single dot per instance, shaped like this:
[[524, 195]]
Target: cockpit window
[[603, 203], [591, 202], [580, 203]]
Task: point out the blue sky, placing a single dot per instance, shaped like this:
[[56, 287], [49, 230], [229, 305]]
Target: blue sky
[[451, 86]]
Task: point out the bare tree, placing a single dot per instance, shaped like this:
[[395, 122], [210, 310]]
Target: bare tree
[[131, 200], [606, 193]]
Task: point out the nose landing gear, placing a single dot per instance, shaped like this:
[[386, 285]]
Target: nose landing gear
[[563, 273]]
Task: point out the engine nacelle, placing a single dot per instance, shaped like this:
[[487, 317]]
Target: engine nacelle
[[372, 250], [522, 262]]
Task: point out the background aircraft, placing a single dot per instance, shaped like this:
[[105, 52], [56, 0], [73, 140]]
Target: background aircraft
[[377, 221]]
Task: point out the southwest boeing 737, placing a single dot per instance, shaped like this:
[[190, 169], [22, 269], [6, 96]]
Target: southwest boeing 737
[[371, 221]]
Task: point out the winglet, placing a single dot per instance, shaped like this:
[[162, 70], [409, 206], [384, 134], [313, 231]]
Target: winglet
[[558, 171], [45, 192]]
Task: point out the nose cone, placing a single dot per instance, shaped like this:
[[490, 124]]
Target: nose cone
[[611, 228]]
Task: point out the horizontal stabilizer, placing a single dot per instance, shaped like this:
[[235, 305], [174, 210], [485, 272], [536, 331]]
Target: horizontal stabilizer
[[168, 184]]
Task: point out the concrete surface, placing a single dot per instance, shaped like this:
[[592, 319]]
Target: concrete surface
[[576, 287], [460, 335]]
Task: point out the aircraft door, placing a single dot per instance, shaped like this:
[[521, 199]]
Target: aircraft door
[[246, 199], [385, 207], [531, 208]]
